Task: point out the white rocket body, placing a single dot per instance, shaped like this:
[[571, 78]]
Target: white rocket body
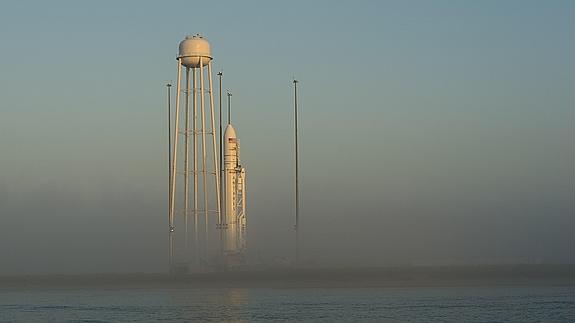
[[234, 219]]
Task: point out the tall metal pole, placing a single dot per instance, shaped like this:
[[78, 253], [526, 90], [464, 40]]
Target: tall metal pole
[[168, 87], [220, 74], [220, 221], [229, 107], [169, 98], [296, 174]]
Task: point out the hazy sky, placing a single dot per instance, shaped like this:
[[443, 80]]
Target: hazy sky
[[431, 131]]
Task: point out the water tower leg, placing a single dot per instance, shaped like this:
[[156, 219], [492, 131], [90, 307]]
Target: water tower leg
[[204, 168], [174, 166], [195, 140], [186, 161], [214, 149]]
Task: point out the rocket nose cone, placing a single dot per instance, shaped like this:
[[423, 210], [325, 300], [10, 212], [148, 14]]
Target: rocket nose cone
[[230, 132]]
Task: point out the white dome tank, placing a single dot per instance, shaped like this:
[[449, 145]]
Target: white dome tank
[[193, 50]]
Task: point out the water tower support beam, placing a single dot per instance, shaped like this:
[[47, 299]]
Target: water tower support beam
[[195, 152], [204, 167], [215, 152], [174, 164], [186, 159]]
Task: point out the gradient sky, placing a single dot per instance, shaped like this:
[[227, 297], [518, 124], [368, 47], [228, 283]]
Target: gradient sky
[[432, 132]]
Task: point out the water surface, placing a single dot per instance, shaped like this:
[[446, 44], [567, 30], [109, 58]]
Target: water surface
[[406, 304]]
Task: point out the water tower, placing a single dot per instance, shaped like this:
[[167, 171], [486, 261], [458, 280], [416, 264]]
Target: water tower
[[194, 167]]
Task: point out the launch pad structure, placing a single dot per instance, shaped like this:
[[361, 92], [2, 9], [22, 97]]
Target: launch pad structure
[[200, 192]]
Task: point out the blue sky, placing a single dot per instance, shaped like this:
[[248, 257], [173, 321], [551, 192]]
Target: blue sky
[[431, 131]]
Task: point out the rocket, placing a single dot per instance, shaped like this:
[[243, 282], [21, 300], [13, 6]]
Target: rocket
[[234, 180]]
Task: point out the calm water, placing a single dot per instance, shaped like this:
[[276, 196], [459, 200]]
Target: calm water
[[422, 304]]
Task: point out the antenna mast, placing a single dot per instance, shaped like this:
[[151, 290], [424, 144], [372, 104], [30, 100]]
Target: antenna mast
[[169, 99], [229, 107], [220, 75], [222, 172], [296, 227]]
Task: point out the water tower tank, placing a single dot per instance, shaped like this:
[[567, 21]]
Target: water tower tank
[[193, 50]]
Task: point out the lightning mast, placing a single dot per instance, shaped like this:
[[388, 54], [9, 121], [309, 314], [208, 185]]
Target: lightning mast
[[296, 226]]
